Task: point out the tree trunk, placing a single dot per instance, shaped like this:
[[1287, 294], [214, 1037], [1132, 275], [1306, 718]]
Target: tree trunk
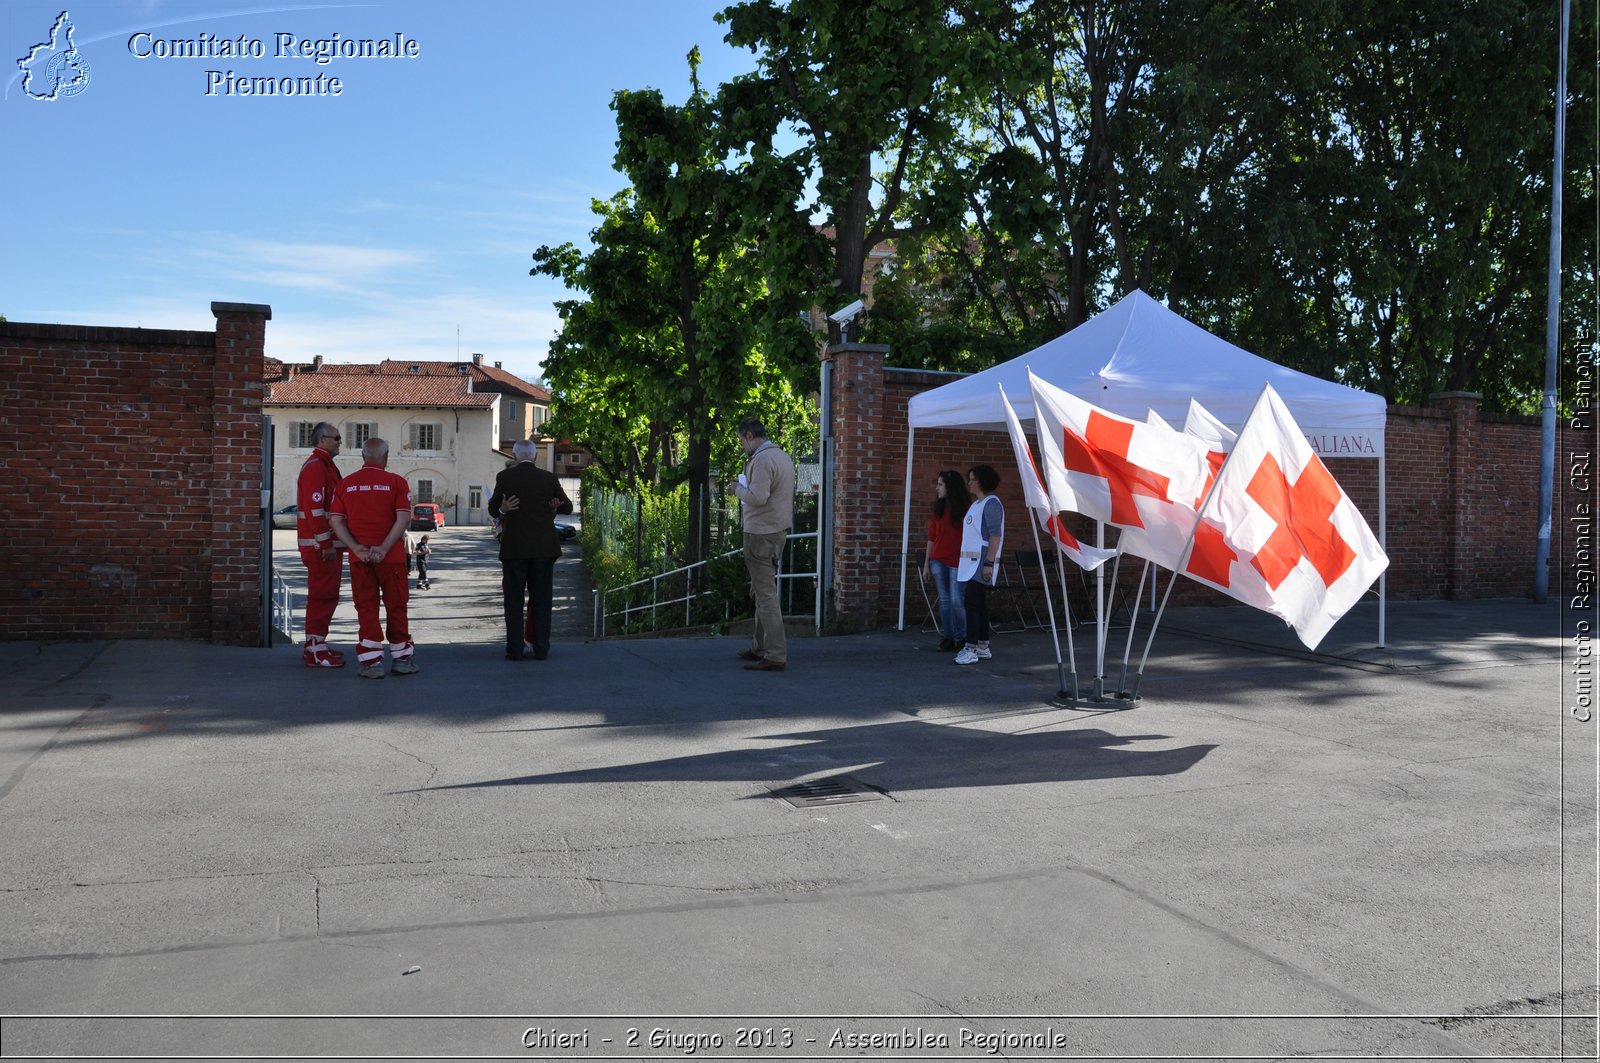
[[850, 235]]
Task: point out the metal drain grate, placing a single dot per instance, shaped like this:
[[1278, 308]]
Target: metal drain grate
[[836, 790]]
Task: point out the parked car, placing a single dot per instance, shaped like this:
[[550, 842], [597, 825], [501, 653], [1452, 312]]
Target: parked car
[[427, 516], [286, 517], [566, 531]]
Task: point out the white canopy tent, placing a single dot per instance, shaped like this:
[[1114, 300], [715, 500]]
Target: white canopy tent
[[1139, 356]]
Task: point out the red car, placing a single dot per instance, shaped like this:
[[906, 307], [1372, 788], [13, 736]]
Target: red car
[[426, 516]]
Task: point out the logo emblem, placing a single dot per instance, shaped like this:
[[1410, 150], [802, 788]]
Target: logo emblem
[[55, 69], [316, 496]]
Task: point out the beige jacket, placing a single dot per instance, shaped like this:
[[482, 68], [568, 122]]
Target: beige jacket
[[768, 498]]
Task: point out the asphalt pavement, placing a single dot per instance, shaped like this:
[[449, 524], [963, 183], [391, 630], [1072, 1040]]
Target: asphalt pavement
[[1356, 853]]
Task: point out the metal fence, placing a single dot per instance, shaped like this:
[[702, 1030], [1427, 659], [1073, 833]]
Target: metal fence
[[282, 606], [671, 597]]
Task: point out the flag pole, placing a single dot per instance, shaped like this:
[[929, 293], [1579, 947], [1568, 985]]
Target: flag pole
[[1188, 548], [1102, 623], [1133, 622], [1066, 618], [1044, 578]]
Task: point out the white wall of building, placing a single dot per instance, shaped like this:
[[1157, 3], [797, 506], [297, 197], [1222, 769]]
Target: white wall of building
[[453, 450]]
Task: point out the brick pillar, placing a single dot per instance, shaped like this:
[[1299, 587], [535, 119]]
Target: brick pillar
[[859, 461], [1462, 547], [234, 493]]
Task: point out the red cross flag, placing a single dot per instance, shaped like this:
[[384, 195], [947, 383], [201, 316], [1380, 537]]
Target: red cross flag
[[1307, 546], [1037, 496], [1165, 536], [1217, 437], [1109, 467]]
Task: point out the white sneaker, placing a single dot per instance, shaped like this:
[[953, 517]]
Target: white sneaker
[[966, 656], [982, 652]]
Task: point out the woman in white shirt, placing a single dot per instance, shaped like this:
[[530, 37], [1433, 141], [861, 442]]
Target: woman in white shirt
[[983, 531]]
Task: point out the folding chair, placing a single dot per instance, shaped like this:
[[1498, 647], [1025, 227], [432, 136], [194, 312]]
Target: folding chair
[[1006, 594], [1031, 574]]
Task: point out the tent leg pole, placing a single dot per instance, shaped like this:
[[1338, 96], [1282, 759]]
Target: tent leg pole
[[1383, 541], [905, 527]]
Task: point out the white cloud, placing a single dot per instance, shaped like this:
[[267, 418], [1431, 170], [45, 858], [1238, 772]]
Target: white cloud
[[326, 267]]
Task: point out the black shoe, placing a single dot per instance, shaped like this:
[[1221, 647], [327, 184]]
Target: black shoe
[[946, 645], [518, 656]]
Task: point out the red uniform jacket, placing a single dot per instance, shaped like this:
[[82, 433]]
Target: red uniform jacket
[[319, 478], [369, 498]]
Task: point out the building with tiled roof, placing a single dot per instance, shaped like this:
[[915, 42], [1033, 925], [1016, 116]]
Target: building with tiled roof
[[450, 425]]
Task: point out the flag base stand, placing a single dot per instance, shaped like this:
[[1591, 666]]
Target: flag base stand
[[1098, 701]]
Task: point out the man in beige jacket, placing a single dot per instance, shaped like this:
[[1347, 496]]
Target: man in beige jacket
[[766, 496]]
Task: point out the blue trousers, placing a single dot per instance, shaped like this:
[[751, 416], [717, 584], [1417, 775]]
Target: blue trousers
[[952, 606]]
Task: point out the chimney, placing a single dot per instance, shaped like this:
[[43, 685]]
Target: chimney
[[316, 363], [497, 365], [477, 359]]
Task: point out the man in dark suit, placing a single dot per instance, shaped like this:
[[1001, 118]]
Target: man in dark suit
[[526, 500]]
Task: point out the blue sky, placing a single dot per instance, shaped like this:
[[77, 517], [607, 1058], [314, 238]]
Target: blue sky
[[375, 223]]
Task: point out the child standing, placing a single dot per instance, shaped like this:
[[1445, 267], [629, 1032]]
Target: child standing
[[423, 550]]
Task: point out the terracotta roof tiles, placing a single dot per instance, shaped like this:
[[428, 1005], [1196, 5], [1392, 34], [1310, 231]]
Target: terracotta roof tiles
[[392, 382], [322, 388]]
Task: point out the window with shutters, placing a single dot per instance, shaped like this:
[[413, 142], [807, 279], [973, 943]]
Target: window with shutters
[[424, 491], [300, 434], [425, 436], [357, 433]]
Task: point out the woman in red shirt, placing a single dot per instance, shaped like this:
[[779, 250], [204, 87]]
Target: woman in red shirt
[[944, 554]]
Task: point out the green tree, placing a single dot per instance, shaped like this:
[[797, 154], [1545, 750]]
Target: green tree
[[1357, 189], [1444, 117], [852, 82], [675, 310]]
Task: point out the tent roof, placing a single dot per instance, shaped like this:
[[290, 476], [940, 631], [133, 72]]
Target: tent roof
[[1138, 356]]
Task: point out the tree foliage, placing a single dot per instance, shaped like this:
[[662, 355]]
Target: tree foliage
[[853, 83], [1357, 189], [662, 357]]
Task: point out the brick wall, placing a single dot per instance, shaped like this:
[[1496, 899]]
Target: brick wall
[[130, 459], [1462, 494]]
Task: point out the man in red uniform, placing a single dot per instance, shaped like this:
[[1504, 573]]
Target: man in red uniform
[[323, 556], [370, 511]]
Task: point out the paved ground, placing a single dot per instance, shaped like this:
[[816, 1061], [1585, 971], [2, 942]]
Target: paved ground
[[1356, 853]]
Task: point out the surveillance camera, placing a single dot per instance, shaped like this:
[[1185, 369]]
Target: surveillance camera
[[839, 317]]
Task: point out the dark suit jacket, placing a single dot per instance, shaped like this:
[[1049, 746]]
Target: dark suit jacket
[[530, 529]]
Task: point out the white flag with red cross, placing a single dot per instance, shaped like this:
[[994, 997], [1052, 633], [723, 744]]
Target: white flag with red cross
[[1204, 426], [1307, 548], [1037, 497], [1108, 467], [1168, 527]]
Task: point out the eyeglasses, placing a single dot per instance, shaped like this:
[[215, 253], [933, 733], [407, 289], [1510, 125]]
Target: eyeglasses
[[336, 439]]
